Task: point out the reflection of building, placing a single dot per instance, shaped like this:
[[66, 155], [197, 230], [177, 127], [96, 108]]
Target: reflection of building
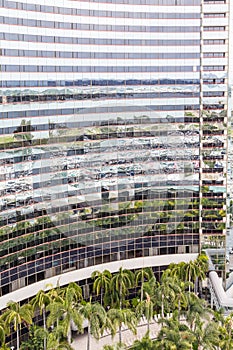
[[103, 112]]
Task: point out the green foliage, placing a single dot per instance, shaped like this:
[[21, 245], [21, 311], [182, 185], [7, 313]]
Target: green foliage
[[173, 293], [35, 340]]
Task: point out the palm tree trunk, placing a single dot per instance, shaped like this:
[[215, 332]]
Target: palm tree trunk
[[189, 282], [148, 325], [120, 337], [142, 288], [88, 337], [162, 306], [69, 335], [101, 296], [120, 297], [17, 337], [179, 309], [44, 322]]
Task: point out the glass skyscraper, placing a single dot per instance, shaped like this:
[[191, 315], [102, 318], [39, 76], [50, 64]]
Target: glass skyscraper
[[113, 140]]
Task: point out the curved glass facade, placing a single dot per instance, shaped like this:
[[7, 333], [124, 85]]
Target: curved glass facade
[[101, 113]]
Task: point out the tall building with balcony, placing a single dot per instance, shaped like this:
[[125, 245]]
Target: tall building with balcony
[[113, 144]]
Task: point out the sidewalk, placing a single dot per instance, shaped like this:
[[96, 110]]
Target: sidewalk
[[80, 341]]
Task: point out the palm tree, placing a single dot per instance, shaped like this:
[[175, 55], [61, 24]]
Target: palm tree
[[119, 317], [181, 296], [206, 335], [202, 263], [174, 335], [121, 282], [75, 289], [101, 283], [117, 346], [55, 294], [65, 310], [55, 340], [96, 316], [174, 270], [4, 330], [40, 301], [226, 334], [16, 315], [141, 276], [197, 309], [165, 294], [144, 344], [35, 340], [4, 347], [146, 308], [191, 272]]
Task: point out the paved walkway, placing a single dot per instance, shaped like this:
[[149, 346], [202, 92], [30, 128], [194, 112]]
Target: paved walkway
[[80, 341]]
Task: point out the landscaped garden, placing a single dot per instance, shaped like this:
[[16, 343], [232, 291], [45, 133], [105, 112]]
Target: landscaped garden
[[119, 301]]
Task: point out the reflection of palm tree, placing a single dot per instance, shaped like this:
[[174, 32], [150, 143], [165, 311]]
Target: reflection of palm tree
[[101, 283], [95, 314], [16, 315]]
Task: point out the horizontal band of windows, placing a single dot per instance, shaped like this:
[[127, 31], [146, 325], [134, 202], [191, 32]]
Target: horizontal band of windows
[[99, 55], [214, 28], [210, 15], [51, 257], [95, 13], [68, 111], [26, 242], [10, 215], [213, 93], [126, 170], [69, 11], [95, 41], [214, 81], [214, 54], [94, 96], [40, 238], [99, 69], [153, 2], [98, 27], [48, 83], [17, 131], [57, 207], [215, 2], [214, 68], [214, 41], [213, 106]]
